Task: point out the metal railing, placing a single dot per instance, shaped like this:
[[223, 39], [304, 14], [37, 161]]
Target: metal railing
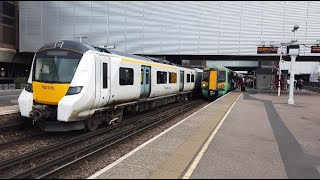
[[7, 86], [312, 84]]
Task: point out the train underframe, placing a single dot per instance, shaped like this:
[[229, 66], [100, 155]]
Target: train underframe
[[45, 116]]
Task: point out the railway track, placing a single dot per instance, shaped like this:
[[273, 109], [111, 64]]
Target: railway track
[[11, 121], [44, 162], [16, 141]]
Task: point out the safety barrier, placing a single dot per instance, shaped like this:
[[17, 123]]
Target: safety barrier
[[7, 86]]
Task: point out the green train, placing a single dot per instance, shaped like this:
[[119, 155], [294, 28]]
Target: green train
[[218, 81]]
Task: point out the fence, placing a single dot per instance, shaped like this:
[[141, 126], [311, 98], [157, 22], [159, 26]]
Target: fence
[[312, 84], [7, 86]]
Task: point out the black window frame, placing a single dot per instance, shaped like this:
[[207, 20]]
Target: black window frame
[[124, 81], [105, 75], [188, 78], [148, 77], [192, 77], [162, 78]]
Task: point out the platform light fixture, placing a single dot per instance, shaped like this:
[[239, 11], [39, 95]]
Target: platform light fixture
[[293, 52], [81, 37], [110, 46], [295, 28]]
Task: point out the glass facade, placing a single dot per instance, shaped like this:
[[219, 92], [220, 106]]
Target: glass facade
[[8, 24]]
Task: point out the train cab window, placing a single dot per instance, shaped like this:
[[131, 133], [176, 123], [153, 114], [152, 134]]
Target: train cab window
[[222, 76], [105, 75], [172, 77], [126, 76], [55, 66], [205, 76], [192, 77], [188, 78], [161, 77]]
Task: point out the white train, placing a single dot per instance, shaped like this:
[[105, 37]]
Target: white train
[[75, 86]]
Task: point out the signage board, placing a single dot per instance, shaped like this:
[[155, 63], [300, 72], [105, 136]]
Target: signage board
[[267, 50], [315, 49]]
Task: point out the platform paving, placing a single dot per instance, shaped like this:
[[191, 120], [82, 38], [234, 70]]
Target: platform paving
[[169, 154], [264, 137]]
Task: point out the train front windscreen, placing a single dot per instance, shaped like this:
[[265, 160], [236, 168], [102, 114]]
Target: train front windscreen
[[55, 66]]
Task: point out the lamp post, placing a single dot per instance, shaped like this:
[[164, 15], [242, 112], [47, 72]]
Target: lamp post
[[279, 78], [293, 52]]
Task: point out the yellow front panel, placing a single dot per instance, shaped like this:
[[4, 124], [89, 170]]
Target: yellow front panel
[[213, 80], [49, 93]]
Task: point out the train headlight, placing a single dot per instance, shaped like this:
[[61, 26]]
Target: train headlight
[[204, 84], [221, 87], [28, 87], [74, 90]]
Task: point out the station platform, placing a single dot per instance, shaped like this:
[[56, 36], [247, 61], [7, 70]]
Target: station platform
[[241, 135], [9, 110]]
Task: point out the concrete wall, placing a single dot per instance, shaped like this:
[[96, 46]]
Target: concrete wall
[[264, 81]]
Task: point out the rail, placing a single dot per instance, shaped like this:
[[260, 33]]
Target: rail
[[312, 86], [136, 125]]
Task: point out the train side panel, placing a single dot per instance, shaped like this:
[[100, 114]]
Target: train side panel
[[129, 89], [72, 107], [162, 87]]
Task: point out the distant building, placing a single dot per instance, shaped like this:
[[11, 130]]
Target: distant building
[[11, 64], [170, 30]]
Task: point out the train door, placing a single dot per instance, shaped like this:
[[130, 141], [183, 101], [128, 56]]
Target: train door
[[104, 80], [181, 81], [145, 81]]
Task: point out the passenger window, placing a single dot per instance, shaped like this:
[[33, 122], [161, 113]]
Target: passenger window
[[141, 76], [147, 76], [192, 78], [105, 75], [126, 76], [161, 77], [172, 77], [188, 78]]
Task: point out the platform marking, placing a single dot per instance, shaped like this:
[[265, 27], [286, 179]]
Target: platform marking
[[204, 148], [10, 110], [146, 143]]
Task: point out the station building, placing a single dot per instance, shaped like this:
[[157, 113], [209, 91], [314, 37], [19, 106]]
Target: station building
[[201, 32]]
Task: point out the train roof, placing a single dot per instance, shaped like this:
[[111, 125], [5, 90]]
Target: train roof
[[217, 67], [67, 44], [145, 58], [83, 47]]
